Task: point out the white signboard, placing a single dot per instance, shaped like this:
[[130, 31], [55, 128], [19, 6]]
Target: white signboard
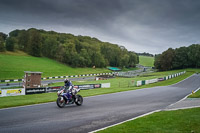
[[12, 92]]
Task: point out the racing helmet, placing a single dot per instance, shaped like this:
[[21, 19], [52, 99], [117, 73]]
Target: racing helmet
[[66, 80]]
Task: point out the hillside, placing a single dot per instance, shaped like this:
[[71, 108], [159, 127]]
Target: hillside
[[13, 65], [146, 61], [76, 51]]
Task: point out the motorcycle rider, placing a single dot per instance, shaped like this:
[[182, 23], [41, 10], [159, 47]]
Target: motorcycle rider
[[68, 89]]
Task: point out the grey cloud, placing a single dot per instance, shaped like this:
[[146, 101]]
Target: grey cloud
[[140, 25]]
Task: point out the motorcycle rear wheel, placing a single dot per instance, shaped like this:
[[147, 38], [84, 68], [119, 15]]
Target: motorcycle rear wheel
[[79, 100], [60, 103]]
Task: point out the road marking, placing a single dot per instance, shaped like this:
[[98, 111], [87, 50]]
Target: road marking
[[182, 108], [184, 97], [25, 106], [125, 121]]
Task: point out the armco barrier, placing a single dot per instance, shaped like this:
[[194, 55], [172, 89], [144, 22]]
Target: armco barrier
[[139, 83], [84, 75], [144, 82], [153, 80]]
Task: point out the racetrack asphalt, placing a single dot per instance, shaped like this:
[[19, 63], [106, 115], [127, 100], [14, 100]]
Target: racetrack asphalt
[[96, 111]]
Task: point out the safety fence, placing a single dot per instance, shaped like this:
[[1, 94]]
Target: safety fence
[[130, 73], [134, 73], [145, 82], [27, 91], [57, 77]]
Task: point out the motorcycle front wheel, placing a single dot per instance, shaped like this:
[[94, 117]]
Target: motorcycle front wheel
[[60, 102], [79, 100]]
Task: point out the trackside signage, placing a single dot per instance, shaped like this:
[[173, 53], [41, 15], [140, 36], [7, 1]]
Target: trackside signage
[[89, 86], [27, 91], [35, 90], [56, 88], [105, 85], [12, 92], [53, 89]]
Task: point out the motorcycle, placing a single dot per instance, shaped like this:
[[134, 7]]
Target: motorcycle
[[62, 100]]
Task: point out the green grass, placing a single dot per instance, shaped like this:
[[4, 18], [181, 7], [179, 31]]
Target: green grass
[[195, 95], [13, 65], [195, 70], [117, 85], [13, 101], [127, 83], [180, 121], [146, 61]]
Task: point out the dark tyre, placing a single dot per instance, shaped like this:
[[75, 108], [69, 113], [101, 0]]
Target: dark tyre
[[79, 100], [60, 102]]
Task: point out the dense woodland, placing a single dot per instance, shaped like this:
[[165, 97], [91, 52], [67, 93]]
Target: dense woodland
[[76, 51], [183, 57]]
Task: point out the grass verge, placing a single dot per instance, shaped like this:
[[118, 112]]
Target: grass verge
[[180, 121], [195, 95]]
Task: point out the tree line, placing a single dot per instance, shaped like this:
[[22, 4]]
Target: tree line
[[145, 54], [183, 57], [76, 51]]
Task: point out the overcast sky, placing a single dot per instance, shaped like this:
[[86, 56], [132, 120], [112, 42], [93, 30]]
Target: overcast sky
[[140, 25]]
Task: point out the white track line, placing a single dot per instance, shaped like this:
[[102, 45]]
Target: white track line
[[25, 106], [142, 116], [125, 121], [184, 97], [182, 108]]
